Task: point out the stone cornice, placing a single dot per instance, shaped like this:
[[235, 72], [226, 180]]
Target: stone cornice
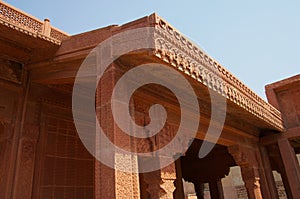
[[177, 50]]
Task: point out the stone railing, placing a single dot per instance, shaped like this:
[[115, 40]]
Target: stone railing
[[15, 18], [177, 50]]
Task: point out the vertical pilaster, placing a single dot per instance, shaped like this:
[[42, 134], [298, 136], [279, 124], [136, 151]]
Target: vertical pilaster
[[25, 167], [109, 181], [29, 128]]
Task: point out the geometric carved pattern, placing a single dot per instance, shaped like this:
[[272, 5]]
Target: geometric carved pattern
[[13, 18], [67, 167], [21, 18], [175, 49]]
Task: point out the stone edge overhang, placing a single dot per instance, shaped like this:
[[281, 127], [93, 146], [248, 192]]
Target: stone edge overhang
[[18, 20], [175, 49], [283, 83], [272, 89]]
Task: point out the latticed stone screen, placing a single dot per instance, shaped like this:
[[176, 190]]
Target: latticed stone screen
[[66, 166]]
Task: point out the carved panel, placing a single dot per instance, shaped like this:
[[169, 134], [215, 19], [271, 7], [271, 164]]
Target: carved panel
[[26, 167], [5, 131], [66, 167], [11, 70], [31, 131]]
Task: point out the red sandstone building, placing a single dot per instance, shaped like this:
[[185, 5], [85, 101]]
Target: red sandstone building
[[42, 155]]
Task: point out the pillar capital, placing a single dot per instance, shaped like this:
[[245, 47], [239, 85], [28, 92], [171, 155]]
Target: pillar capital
[[243, 156]]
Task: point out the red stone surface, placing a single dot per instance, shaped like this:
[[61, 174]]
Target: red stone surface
[[41, 153], [285, 95]]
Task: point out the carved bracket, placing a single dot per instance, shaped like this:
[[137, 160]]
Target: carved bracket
[[243, 156]]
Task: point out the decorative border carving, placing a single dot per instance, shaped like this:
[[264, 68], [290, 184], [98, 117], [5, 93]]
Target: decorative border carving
[[18, 20], [175, 49]]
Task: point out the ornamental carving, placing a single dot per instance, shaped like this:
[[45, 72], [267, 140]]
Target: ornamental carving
[[26, 166], [243, 156], [16, 19], [31, 131], [175, 49], [159, 185], [11, 71]]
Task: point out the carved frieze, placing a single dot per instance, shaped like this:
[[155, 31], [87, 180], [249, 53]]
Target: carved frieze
[[175, 49]]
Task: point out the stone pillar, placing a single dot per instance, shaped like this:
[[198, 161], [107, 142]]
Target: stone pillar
[[277, 164], [285, 181], [291, 166], [46, 28], [251, 179], [179, 192], [216, 189], [247, 160], [110, 182], [199, 188], [269, 178], [161, 182]]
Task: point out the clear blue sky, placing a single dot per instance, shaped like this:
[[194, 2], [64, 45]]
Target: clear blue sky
[[258, 41]]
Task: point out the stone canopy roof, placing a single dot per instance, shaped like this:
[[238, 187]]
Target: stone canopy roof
[[172, 47]]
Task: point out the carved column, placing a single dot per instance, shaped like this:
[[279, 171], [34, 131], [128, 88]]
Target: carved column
[[161, 183], [251, 178], [291, 166], [246, 159], [110, 182]]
